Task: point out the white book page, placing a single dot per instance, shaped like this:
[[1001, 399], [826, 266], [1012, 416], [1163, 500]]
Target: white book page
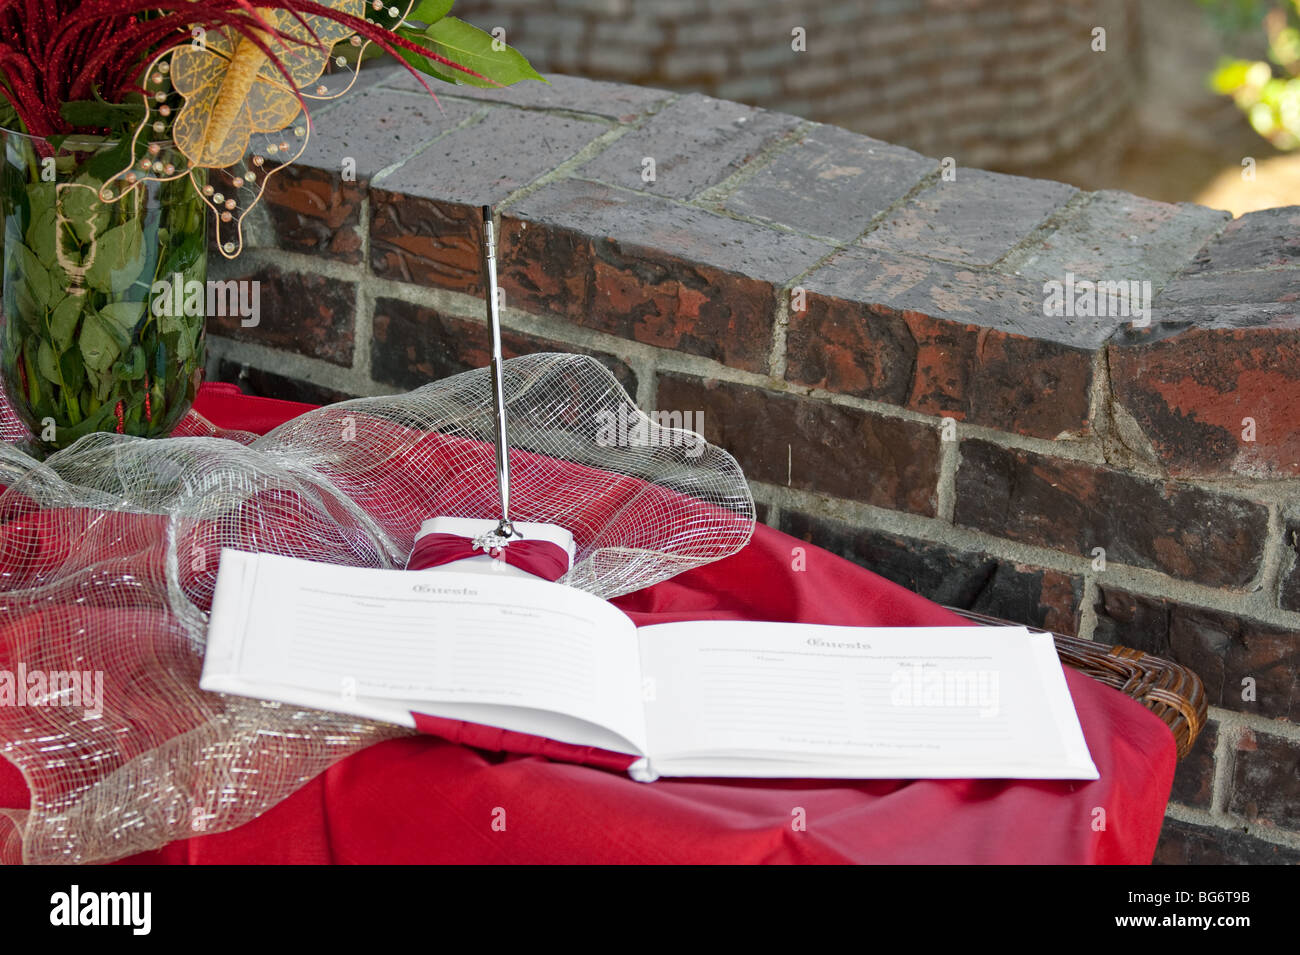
[[769, 699], [525, 655]]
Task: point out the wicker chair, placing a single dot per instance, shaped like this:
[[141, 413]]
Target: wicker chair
[[1169, 690]]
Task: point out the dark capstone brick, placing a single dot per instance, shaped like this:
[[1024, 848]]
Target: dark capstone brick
[[974, 219], [425, 220], [308, 314], [946, 368], [545, 269], [1258, 240], [426, 242], [1192, 392], [414, 345], [675, 304], [964, 296], [813, 445], [315, 211], [695, 143], [1115, 236], [376, 128], [832, 182], [596, 256], [1186, 532], [1194, 777], [616, 101], [1206, 298], [268, 384], [1266, 781], [1035, 596], [1290, 592], [484, 162], [1222, 649], [1182, 843]]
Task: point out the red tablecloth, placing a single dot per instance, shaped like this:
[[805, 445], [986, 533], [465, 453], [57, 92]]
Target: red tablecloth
[[420, 800]]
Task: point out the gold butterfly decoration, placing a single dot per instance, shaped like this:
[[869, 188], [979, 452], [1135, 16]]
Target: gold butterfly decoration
[[220, 111]]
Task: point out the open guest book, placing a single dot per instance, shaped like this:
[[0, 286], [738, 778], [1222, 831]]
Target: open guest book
[[533, 666]]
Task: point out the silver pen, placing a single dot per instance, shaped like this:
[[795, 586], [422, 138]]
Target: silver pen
[[505, 528]]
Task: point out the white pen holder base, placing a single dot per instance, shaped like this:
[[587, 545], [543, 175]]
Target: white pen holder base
[[472, 527]]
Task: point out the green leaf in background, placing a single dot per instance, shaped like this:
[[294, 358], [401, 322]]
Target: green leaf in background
[[36, 277], [115, 267], [98, 345], [47, 365], [106, 164], [131, 367], [63, 321], [96, 421], [184, 345], [73, 371], [471, 47], [430, 11], [123, 316], [28, 310], [80, 206], [42, 232], [99, 114]]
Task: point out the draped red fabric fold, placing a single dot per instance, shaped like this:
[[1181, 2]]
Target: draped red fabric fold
[[428, 798]]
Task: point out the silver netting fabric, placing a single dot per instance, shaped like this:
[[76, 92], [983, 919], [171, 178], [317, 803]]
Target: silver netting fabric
[[109, 551]]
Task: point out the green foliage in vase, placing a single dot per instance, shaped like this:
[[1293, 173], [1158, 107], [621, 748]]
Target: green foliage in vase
[[83, 348]]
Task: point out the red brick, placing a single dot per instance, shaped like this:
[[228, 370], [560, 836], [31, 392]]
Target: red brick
[[925, 361], [971, 580], [316, 212], [1182, 843], [414, 345], [1266, 781], [1071, 506], [426, 242], [308, 314], [268, 384], [1223, 649], [813, 445], [1194, 777], [1192, 391], [649, 270]]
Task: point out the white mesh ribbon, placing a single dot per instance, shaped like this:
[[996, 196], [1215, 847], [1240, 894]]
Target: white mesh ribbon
[[109, 551]]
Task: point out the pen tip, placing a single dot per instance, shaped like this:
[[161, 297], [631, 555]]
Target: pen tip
[[487, 213]]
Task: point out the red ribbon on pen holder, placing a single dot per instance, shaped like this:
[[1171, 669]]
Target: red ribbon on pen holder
[[537, 557]]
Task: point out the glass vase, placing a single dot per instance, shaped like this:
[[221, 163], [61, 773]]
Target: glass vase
[[99, 332]]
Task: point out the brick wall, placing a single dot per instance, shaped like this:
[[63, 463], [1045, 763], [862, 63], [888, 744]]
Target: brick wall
[[868, 336], [1005, 84]]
